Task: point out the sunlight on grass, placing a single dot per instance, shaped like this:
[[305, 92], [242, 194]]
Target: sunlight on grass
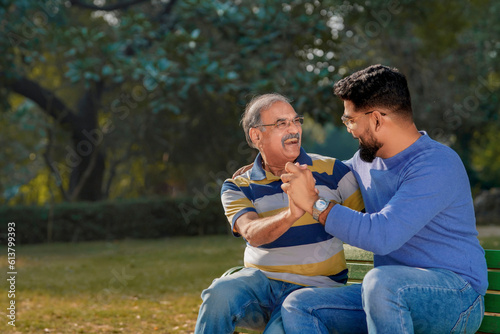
[[131, 286], [116, 314]]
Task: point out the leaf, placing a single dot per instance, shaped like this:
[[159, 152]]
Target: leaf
[[163, 64], [118, 79], [212, 67], [173, 108], [107, 70], [232, 75], [73, 74], [195, 33], [70, 52]]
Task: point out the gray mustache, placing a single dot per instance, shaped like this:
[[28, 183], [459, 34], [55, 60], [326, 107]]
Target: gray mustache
[[290, 136]]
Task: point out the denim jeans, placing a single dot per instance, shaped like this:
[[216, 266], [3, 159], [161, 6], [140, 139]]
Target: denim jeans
[[391, 299], [246, 299]]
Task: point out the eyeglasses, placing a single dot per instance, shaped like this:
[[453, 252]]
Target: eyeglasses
[[350, 123], [284, 123]]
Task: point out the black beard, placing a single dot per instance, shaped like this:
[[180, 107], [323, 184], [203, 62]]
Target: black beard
[[368, 153]]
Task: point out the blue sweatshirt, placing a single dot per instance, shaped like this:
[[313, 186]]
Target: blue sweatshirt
[[419, 212]]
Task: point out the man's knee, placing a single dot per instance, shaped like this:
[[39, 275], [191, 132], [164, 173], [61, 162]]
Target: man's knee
[[372, 281], [220, 289], [234, 287], [378, 285], [295, 300]]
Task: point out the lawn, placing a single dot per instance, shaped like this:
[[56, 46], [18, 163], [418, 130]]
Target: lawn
[[129, 286]]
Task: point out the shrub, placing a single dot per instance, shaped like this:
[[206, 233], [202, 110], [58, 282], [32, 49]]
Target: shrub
[[109, 220]]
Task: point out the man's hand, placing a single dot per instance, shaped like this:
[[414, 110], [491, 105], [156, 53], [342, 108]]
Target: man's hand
[[299, 184], [242, 170], [295, 211]]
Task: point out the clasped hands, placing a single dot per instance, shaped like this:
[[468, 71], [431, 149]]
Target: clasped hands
[[299, 184]]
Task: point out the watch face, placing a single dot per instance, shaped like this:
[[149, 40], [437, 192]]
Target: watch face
[[321, 204]]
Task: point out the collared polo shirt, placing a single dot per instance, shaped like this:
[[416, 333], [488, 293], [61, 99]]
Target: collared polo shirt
[[305, 254]]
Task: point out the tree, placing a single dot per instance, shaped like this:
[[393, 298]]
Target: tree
[[143, 97], [449, 53], [153, 82]]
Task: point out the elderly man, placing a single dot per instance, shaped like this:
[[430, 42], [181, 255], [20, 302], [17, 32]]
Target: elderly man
[[430, 271], [286, 248]]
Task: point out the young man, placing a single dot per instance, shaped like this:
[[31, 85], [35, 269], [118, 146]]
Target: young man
[[286, 249], [430, 272]]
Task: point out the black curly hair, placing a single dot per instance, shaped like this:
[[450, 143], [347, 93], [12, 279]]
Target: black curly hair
[[376, 86]]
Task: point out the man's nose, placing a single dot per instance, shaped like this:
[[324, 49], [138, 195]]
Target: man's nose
[[291, 125]]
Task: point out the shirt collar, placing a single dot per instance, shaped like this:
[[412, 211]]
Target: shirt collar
[[258, 173]]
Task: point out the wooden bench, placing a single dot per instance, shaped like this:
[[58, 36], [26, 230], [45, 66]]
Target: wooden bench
[[359, 262]]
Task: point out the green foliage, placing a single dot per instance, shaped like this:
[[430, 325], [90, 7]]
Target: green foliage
[[336, 142], [21, 160], [175, 81], [115, 220], [486, 156]]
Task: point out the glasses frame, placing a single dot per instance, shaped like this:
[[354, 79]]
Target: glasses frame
[[285, 122], [350, 122]]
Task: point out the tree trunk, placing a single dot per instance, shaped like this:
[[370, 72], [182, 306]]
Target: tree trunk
[[88, 173], [85, 160]]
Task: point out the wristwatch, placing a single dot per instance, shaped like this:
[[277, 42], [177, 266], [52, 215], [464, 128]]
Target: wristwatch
[[319, 206]]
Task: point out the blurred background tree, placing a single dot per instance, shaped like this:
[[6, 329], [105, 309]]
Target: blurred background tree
[[105, 99]]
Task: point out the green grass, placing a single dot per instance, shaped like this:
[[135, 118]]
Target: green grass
[[130, 286], [490, 242]]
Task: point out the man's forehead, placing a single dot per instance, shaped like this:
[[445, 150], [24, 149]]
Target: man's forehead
[[279, 110], [349, 105], [349, 109]]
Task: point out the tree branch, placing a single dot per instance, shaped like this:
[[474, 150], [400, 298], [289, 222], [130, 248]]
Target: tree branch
[[167, 10], [117, 6], [113, 166], [50, 104], [86, 174]]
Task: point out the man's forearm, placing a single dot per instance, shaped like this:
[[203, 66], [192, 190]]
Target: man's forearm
[[261, 231]]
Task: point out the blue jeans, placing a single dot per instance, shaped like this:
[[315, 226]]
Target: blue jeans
[[391, 299], [245, 299]]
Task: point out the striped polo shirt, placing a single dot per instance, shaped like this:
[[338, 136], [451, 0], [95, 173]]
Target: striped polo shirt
[[305, 254]]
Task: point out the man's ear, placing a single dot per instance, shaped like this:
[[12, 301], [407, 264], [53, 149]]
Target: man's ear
[[379, 120], [255, 136]]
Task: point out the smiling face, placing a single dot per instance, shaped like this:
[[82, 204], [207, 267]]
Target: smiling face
[[278, 146]]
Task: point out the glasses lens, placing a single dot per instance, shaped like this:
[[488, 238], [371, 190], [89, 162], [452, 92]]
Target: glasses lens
[[298, 121], [348, 122], [281, 124]]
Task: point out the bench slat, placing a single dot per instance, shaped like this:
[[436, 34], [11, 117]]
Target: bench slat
[[232, 270], [358, 271], [490, 324], [493, 258], [492, 303], [494, 280], [358, 254]]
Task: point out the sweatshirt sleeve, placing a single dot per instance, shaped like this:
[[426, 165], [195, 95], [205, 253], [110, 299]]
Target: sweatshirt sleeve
[[424, 191]]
